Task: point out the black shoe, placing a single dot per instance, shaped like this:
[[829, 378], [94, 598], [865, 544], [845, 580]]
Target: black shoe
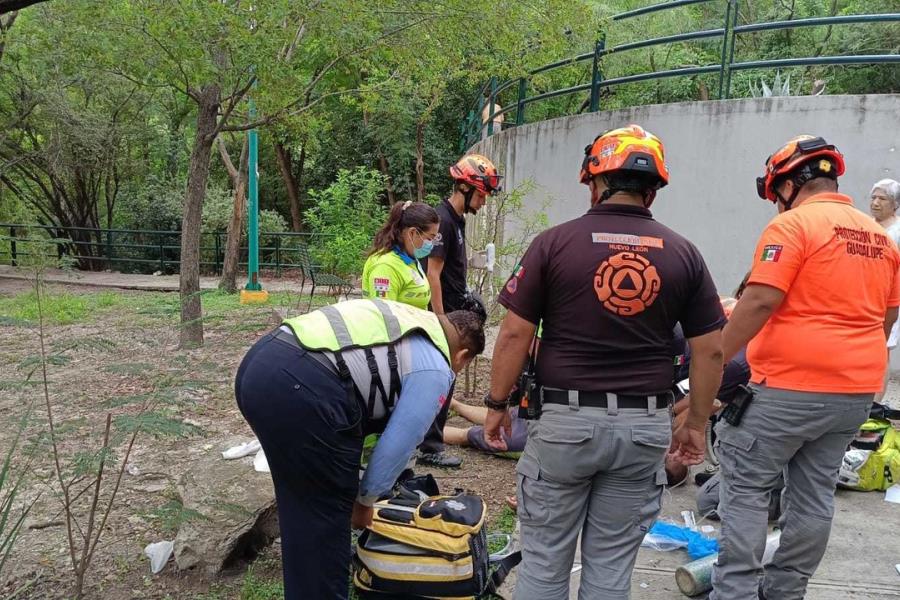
[[438, 459]]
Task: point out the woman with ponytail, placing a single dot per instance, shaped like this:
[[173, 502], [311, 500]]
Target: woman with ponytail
[[392, 271]]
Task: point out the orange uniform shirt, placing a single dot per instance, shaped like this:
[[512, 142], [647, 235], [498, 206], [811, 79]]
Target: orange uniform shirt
[[839, 272]]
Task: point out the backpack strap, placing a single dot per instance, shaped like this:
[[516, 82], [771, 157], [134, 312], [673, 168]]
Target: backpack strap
[[504, 566], [376, 386], [394, 366]]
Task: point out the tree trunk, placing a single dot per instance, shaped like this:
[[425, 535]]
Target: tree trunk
[[285, 165], [702, 90], [420, 161], [228, 282], [191, 332], [382, 165], [388, 186]]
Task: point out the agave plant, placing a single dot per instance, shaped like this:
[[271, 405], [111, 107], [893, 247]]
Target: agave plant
[[782, 88]]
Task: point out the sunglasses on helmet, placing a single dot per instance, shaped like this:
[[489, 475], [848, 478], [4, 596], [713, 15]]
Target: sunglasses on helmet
[[490, 182]]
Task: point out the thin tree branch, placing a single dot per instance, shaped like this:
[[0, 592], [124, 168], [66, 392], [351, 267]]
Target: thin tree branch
[[38, 288], [286, 110], [235, 99], [115, 490], [226, 160], [167, 52], [4, 27]]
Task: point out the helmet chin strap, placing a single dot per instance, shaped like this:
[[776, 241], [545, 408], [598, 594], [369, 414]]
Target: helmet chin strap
[[789, 203], [648, 196], [467, 198]]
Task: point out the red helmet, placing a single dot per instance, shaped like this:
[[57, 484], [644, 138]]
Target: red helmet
[[796, 154], [477, 171], [626, 149]]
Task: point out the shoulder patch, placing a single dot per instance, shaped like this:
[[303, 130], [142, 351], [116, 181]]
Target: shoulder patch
[[771, 253]]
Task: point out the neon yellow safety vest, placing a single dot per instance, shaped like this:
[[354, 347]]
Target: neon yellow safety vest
[[364, 324]]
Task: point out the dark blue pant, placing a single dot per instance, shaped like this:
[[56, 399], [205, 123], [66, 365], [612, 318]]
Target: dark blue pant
[[310, 429]]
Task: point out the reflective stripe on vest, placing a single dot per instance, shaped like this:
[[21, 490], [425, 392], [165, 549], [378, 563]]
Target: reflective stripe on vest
[[365, 323]]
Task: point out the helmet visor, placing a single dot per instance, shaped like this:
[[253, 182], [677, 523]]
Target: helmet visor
[[491, 183]]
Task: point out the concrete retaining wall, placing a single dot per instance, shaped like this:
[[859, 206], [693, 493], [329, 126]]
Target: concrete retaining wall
[[715, 150]]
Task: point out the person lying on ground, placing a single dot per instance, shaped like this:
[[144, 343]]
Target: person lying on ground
[[474, 436]]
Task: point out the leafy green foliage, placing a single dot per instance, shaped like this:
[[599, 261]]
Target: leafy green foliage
[[87, 462], [172, 515], [348, 213]]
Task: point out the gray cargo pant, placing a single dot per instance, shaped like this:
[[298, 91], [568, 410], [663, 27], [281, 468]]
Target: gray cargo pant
[[708, 498], [807, 433], [587, 471]]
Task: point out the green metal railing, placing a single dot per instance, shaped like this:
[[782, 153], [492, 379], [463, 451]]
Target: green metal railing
[[473, 127], [145, 251]]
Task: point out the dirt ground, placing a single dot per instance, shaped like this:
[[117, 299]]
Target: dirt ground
[[120, 352], [110, 351]]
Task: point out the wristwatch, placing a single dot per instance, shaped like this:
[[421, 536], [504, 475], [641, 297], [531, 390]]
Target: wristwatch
[[494, 404]]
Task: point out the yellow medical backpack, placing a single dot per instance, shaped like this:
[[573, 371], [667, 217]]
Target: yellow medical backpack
[[433, 549]]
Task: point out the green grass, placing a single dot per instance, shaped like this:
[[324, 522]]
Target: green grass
[[505, 522], [256, 587], [219, 308], [59, 309]]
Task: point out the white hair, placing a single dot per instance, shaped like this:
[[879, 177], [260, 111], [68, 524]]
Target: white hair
[[890, 188]]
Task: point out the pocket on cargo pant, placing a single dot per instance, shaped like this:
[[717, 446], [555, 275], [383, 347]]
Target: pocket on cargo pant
[[532, 508], [560, 443]]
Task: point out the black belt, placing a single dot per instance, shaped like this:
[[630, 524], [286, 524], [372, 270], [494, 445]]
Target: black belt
[[289, 338], [603, 399]]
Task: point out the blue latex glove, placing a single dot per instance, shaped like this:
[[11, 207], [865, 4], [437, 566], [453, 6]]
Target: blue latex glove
[[698, 545]]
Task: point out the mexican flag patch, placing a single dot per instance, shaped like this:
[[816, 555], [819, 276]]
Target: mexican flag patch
[[771, 253], [382, 285]]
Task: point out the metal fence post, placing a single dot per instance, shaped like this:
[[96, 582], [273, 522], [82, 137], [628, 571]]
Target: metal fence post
[[109, 248], [734, 19], [278, 255], [520, 103], [216, 259], [12, 247], [491, 103], [596, 74], [162, 260], [477, 117], [724, 54]]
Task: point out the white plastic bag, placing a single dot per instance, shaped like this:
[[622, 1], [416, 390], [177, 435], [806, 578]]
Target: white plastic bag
[[159, 554], [662, 543], [241, 450], [261, 463]]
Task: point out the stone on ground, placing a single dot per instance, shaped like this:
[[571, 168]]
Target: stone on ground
[[237, 504]]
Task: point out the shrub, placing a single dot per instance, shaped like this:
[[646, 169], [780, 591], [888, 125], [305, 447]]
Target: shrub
[[347, 214]]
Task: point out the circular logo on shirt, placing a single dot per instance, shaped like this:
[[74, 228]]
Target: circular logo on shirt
[[627, 284]]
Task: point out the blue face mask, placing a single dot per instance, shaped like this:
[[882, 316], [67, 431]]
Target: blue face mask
[[424, 250]]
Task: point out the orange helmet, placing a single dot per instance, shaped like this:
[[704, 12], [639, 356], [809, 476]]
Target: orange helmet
[[629, 149], [477, 171], [796, 157]]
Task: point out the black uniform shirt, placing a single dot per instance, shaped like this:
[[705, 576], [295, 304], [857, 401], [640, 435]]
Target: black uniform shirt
[[451, 246], [610, 287]]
